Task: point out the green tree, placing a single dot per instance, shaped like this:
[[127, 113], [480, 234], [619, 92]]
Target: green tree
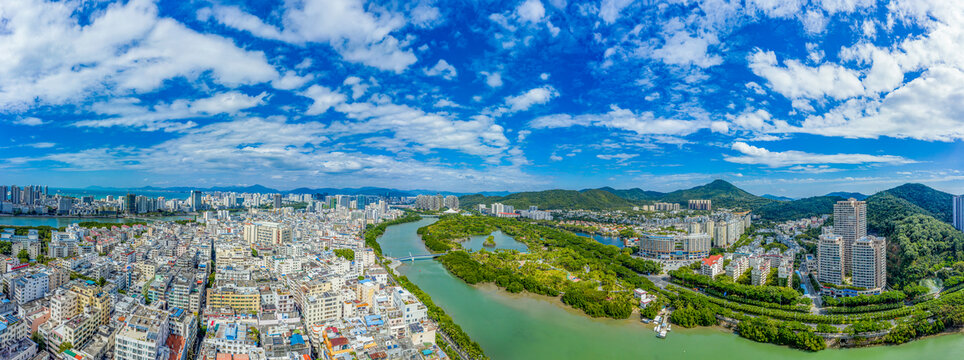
[[23, 255], [64, 346]]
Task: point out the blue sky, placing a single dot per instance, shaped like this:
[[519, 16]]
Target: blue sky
[[777, 96]]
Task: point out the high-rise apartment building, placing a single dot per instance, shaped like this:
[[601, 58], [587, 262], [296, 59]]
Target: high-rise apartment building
[[700, 205], [194, 200], [452, 202], [830, 259], [3, 193], [277, 201], [870, 262], [958, 220], [15, 194], [850, 222], [130, 204]]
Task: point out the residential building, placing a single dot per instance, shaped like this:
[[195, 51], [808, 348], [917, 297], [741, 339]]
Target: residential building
[[30, 287], [712, 266], [870, 262], [675, 246], [700, 205], [143, 336], [266, 233], [830, 259], [850, 223], [958, 213], [737, 267]]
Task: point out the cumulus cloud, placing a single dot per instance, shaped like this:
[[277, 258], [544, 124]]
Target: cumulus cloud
[[300, 151], [442, 68], [492, 79], [750, 154], [357, 34], [645, 123], [323, 99], [796, 80], [618, 156], [536, 96], [531, 11], [133, 113], [29, 121], [125, 48], [227, 103], [609, 9]]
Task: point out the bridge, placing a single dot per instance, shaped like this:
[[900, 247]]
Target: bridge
[[412, 258]]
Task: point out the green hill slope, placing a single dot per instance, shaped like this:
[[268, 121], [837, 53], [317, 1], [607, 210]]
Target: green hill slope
[[593, 199], [635, 194], [936, 202], [722, 193], [798, 209]]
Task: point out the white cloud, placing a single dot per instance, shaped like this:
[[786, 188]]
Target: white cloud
[[42, 145], [323, 98], [131, 113], [797, 80], [29, 121], [301, 152], [927, 108], [531, 11], [810, 169], [522, 135], [357, 34], [618, 156], [443, 103], [51, 59], [425, 15], [814, 22], [750, 154], [544, 76], [645, 123], [442, 68], [609, 9], [291, 81], [493, 79], [417, 130], [536, 96], [229, 103], [680, 47]]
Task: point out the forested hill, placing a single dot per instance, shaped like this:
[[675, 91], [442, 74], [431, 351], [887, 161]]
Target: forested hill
[[798, 209], [936, 202], [635, 194], [592, 199], [722, 193]]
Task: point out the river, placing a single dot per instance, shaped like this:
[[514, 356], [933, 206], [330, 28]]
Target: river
[[605, 240], [515, 326]]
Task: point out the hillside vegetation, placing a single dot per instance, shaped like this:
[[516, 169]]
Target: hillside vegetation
[[798, 209], [593, 199], [722, 193], [935, 202]]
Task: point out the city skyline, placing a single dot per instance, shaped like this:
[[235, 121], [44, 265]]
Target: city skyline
[[794, 99]]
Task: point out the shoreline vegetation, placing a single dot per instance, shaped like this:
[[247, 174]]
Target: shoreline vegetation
[[558, 262], [597, 279], [445, 322]]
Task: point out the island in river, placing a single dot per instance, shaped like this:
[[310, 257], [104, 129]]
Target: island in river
[[623, 342]]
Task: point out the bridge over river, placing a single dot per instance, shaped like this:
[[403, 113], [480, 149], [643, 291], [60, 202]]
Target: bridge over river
[[412, 258]]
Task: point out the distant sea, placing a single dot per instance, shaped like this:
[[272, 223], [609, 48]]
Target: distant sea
[[102, 194]]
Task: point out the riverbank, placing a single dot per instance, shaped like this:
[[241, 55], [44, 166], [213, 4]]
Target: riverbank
[[525, 326]]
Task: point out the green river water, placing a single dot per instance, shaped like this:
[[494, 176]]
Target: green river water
[[513, 326]]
